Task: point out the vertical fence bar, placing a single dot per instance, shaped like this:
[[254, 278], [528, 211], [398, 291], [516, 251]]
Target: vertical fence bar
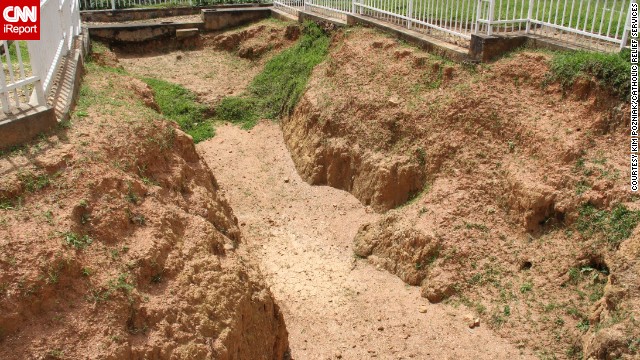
[[478, 9], [625, 34], [492, 7]]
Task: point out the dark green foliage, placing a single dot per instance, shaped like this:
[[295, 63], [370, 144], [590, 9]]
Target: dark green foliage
[[277, 89], [179, 104], [612, 70]]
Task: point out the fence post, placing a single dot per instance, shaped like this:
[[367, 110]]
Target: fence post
[[38, 94], [353, 6], [113, 4], [492, 7], [478, 12], [625, 32], [409, 14], [529, 16]]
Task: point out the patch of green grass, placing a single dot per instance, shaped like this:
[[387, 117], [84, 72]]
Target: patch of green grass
[[121, 284], [180, 105], [74, 240], [33, 182], [613, 71], [612, 226], [526, 287], [86, 271], [583, 325], [475, 226], [24, 53], [277, 89], [56, 354]]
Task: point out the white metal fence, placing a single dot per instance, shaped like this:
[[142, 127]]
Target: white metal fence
[[126, 4], [289, 6], [29, 67], [594, 24]]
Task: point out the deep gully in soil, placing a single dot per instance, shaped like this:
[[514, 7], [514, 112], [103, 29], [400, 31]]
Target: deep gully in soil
[[335, 305]]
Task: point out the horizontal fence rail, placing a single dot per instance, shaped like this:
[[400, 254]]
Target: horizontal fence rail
[[592, 24], [30, 67], [17, 79], [130, 4], [289, 6]]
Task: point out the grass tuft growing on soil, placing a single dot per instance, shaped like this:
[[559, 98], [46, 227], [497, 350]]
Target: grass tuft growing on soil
[[612, 226], [611, 70], [180, 105], [277, 89]]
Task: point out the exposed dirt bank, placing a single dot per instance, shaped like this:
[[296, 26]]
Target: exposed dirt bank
[[117, 243], [335, 305], [223, 65], [520, 206]]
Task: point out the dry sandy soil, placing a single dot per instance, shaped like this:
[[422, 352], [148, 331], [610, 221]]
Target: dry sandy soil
[[223, 65], [501, 193], [464, 192], [335, 305], [117, 243]]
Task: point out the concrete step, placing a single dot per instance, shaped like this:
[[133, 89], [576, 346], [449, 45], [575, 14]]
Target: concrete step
[[185, 33]]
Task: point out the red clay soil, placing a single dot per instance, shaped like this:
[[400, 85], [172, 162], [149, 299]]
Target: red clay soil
[[336, 305], [117, 243], [494, 167], [223, 65]]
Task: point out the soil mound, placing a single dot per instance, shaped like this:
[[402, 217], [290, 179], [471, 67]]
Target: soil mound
[[117, 243], [517, 188], [251, 43]]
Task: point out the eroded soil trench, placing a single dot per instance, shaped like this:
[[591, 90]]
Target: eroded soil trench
[[335, 305], [494, 190]]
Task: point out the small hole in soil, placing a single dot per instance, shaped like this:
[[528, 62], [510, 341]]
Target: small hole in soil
[[554, 219], [578, 129], [597, 263], [526, 266]]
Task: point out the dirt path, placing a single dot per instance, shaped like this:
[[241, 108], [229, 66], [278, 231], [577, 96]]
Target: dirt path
[[335, 305]]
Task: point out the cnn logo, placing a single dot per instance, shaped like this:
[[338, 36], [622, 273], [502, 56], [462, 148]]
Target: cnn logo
[[20, 19]]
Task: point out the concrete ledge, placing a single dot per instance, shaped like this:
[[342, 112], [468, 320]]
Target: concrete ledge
[[284, 16], [70, 79], [145, 14], [307, 16], [539, 42], [425, 42], [220, 19], [185, 33], [486, 48], [131, 33], [26, 124]]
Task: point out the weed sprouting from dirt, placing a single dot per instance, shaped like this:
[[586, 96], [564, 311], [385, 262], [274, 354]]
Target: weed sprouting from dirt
[[612, 70], [277, 89], [77, 241], [180, 105], [612, 226], [33, 182]]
